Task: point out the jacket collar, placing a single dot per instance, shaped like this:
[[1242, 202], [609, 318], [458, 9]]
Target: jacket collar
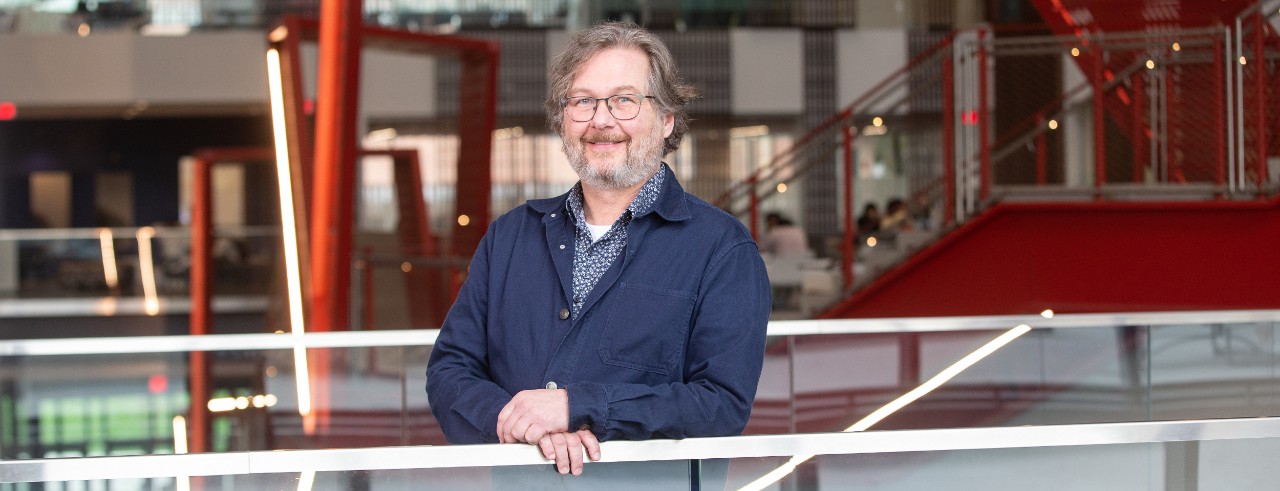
[[671, 205]]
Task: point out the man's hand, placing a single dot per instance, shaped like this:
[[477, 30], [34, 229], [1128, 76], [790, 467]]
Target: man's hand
[[533, 414], [566, 449]]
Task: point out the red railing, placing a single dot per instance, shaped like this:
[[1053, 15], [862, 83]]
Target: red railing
[[1116, 114]]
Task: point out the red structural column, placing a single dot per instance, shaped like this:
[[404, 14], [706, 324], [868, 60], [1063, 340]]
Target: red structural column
[[337, 93], [848, 246], [477, 115], [201, 292], [429, 309], [984, 148], [948, 136], [286, 39]]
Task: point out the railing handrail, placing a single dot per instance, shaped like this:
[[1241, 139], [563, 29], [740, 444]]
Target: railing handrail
[[124, 233], [426, 337], [496, 455]]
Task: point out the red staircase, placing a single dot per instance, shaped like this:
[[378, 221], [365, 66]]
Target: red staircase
[[1148, 186]]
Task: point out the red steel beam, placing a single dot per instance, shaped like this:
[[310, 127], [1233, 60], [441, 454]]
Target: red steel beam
[[477, 115], [201, 292], [336, 147]]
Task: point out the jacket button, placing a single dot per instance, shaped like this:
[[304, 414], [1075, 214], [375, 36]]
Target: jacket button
[[564, 314], [552, 385]]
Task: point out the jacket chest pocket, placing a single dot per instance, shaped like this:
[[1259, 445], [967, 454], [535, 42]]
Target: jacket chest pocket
[[646, 328]]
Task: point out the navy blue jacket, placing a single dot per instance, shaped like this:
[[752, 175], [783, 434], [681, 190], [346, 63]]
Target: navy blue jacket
[[669, 344]]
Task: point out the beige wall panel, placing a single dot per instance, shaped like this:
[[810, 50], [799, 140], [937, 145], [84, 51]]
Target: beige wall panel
[[52, 69], [865, 57], [767, 71], [398, 85], [207, 68]]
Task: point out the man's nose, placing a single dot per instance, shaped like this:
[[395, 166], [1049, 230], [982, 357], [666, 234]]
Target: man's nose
[[603, 116]]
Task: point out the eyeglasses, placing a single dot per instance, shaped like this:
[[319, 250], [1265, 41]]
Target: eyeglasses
[[621, 106]]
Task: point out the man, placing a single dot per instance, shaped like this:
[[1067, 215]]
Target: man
[[623, 309]]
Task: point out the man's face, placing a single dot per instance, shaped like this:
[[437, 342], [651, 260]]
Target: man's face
[[605, 152]]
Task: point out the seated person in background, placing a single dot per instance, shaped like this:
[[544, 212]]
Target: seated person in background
[[896, 216], [782, 237], [869, 222]]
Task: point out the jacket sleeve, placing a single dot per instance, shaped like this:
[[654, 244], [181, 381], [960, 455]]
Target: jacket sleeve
[[463, 398], [723, 359]]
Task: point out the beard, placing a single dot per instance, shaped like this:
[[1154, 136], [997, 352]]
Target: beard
[[641, 159]]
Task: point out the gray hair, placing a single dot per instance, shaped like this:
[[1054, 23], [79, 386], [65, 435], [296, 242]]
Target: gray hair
[[670, 92]]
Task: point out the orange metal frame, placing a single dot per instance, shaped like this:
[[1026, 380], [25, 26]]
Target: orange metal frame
[[330, 194], [202, 278]]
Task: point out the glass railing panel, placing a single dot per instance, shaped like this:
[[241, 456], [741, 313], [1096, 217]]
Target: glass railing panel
[[120, 396], [1214, 370], [1056, 373], [133, 262], [1193, 454], [774, 409], [371, 397], [1049, 376], [1173, 455], [1133, 466], [129, 403]]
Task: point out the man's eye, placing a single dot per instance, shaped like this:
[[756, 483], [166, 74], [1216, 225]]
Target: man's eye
[[623, 99], [582, 101]]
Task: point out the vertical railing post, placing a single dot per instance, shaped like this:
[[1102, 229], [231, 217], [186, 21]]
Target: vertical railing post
[[1219, 119], [1099, 130], [984, 147], [1172, 111], [948, 135], [1139, 133], [753, 211], [849, 244], [366, 267], [201, 291], [1042, 154], [1260, 101]]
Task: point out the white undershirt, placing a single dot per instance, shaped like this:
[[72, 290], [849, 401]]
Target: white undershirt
[[598, 231]]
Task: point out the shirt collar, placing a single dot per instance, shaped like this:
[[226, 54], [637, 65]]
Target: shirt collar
[[668, 202]]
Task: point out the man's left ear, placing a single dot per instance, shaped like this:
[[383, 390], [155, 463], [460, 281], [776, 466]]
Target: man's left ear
[[668, 125]]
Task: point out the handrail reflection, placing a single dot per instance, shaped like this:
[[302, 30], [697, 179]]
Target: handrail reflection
[[427, 337], [462, 456]]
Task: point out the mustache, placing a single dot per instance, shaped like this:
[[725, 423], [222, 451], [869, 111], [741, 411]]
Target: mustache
[[604, 137]]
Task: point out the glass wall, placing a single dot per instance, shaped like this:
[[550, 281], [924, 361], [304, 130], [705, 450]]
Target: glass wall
[[122, 395]]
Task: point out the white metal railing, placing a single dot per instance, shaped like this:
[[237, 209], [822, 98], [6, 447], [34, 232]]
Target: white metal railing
[[427, 337], [498, 455]]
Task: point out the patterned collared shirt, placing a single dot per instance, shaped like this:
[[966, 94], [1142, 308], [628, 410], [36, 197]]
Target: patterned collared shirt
[[591, 260]]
